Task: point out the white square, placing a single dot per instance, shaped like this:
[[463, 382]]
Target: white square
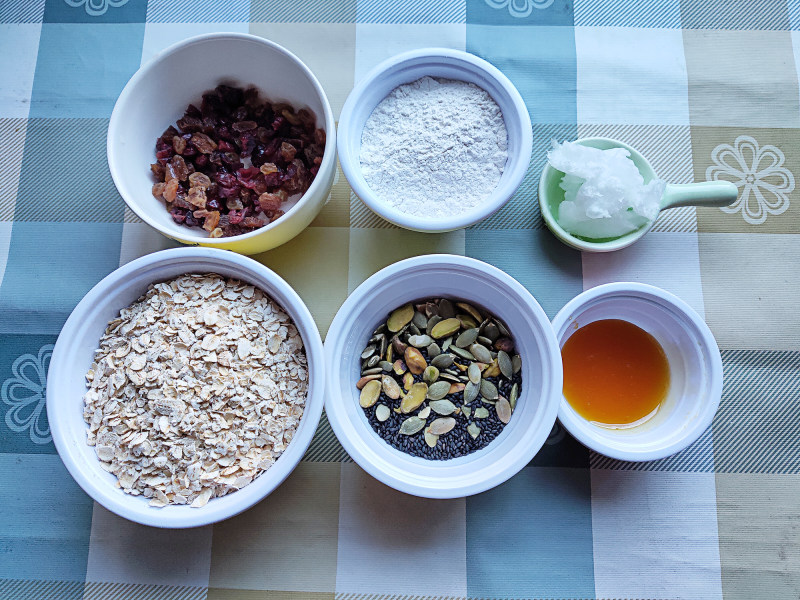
[[668, 260], [158, 36], [425, 534], [139, 239], [20, 40], [655, 535], [5, 244], [631, 76], [121, 551], [375, 42]]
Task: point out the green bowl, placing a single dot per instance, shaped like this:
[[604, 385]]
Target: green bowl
[[551, 196]]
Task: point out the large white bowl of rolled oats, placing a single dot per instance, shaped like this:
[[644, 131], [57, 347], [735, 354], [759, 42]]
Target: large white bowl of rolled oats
[[185, 387]]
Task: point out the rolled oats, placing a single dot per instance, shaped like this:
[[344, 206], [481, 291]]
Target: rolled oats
[[197, 388]]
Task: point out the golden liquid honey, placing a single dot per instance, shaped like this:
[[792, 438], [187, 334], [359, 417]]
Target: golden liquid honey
[[615, 373]]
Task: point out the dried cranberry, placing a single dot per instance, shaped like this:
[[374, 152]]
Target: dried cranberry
[[193, 111], [231, 96], [232, 159], [178, 215], [228, 192], [225, 146], [279, 122], [213, 204], [201, 161], [166, 153], [246, 142], [190, 220]]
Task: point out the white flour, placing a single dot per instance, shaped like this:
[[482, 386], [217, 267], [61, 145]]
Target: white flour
[[434, 147]]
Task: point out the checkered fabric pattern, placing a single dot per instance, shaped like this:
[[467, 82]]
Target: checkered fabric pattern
[[706, 90]]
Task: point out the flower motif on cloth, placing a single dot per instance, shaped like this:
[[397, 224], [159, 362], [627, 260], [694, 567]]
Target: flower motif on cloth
[[758, 172], [519, 9], [95, 8], [24, 392]]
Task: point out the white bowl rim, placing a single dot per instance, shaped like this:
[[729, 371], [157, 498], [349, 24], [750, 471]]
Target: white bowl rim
[[502, 193], [551, 391], [191, 236], [576, 425], [100, 491]]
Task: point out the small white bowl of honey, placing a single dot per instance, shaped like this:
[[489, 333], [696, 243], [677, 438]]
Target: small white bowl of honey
[[642, 371]]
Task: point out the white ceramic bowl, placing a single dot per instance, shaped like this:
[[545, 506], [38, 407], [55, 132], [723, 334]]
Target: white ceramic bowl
[[449, 64], [157, 96], [694, 362], [443, 275], [72, 357]]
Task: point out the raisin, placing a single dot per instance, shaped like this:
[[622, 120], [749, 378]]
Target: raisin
[[197, 197], [288, 152], [204, 143], [158, 170], [241, 126], [178, 144], [200, 180], [170, 190], [176, 169], [190, 124], [269, 202], [158, 189]]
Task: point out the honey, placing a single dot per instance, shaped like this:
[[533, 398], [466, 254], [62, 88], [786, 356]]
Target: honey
[[615, 373]]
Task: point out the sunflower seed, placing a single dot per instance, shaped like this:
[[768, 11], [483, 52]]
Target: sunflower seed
[[438, 390], [412, 425], [370, 393], [382, 412], [443, 407]]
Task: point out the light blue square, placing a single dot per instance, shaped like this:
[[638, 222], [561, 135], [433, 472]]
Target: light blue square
[[540, 61], [520, 12], [47, 518], [50, 268], [82, 68], [547, 268], [532, 537]]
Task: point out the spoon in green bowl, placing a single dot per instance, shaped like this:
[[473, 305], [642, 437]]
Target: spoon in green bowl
[[707, 193]]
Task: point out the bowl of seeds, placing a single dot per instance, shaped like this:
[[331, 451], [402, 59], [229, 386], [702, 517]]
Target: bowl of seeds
[[185, 387], [443, 376]]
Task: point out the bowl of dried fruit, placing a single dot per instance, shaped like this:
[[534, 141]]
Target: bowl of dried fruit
[[443, 376], [185, 387], [224, 140]]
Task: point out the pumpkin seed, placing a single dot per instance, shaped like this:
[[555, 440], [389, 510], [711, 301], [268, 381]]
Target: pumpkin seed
[[399, 367], [385, 365], [491, 332], [471, 392], [488, 402], [442, 425], [484, 340], [390, 387], [488, 390], [399, 318], [503, 409], [414, 398], [408, 381], [438, 390], [443, 407], [462, 353], [412, 425], [430, 438], [466, 411], [420, 341], [372, 361], [372, 371], [434, 350], [430, 374], [442, 361], [368, 351], [474, 372], [432, 322], [382, 412], [413, 329], [381, 328], [445, 328], [471, 310], [420, 320], [449, 377], [466, 338], [446, 309], [370, 393], [502, 327], [467, 322], [481, 353], [446, 343], [504, 362], [512, 397], [516, 362], [424, 413], [415, 361], [481, 412], [389, 353], [473, 430]]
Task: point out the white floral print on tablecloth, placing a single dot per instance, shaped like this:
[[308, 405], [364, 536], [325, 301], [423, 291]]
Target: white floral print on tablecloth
[[96, 8], [25, 392], [758, 172], [519, 8]]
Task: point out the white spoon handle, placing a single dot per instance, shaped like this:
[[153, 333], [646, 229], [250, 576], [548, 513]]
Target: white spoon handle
[[706, 193]]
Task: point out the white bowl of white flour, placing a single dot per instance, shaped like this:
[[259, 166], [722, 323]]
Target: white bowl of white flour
[[434, 140]]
